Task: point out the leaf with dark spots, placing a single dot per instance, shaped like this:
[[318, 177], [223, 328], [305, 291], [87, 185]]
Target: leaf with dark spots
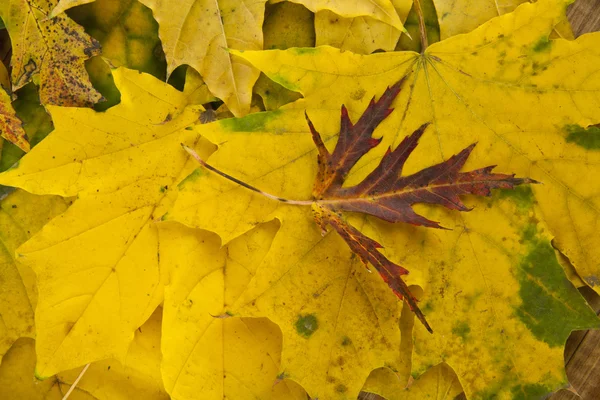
[[55, 49]]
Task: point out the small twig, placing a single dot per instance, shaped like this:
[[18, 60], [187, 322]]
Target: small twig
[[74, 385], [422, 28], [244, 184]]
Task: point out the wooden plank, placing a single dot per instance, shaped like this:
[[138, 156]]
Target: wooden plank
[[584, 16], [582, 358]]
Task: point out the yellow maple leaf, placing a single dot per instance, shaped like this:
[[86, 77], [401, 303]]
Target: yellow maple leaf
[[50, 51], [137, 376], [456, 17], [97, 264], [381, 10], [225, 24], [21, 216], [495, 273], [205, 350], [362, 34]]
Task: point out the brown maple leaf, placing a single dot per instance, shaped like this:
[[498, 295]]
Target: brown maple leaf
[[385, 193]]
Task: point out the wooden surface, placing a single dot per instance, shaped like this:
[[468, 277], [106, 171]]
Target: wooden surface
[[582, 351], [584, 16]]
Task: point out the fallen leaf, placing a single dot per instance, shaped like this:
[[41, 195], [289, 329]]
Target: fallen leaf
[[97, 264], [11, 126], [462, 16], [439, 383], [204, 349], [382, 10], [460, 87], [50, 51], [21, 216], [362, 34], [137, 376], [225, 24]]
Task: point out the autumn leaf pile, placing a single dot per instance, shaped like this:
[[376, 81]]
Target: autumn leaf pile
[[327, 144]]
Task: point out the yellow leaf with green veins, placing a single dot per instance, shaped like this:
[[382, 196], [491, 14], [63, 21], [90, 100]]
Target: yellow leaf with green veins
[[487, 87], [97, 264], [226, 24], [51, 49], [462, 16], [137, 376], [362, 34], [21, 216], [382, 10], [204, 349]]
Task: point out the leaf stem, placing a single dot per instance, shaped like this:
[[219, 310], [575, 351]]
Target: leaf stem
[[422, 28], [74, 385], [244, 184]]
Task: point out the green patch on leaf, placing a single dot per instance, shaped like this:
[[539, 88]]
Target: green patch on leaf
[[286, 83], [551, 306], [544, 44], [306, 325], [251, 123], [461, 329], [197, 173], [587, 138], [521, 195], [531, 391], [305, 50]]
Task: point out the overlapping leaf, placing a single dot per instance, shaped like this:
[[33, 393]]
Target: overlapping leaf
[[462, 16], [21, 216], [439, 383], [381, 10], [502, 273], [97, 264], [206, 351], [50, 51], [361, 34], [225, 24], [137, 375]]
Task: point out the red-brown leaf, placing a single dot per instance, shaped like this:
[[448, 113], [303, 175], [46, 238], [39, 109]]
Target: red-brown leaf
[[385, 193]]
